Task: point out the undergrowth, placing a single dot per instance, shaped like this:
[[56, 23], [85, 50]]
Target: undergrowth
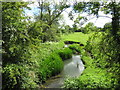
[[37, 64], [101, 67]]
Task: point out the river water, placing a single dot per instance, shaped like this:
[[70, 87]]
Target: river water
[[72, 68]]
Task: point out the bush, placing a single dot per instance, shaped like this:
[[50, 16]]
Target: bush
[[75, 48], [50, 66], [65, 53], [92, 78], [71, 83], [17, 76], [56, 63], [102, 66], [36, 65]]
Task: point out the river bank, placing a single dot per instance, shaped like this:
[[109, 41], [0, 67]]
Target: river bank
[[70, 70]]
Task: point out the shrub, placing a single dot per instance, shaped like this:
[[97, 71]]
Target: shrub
[[92, 78], [17, 76], [37, 63], [71, 83], [75, 48], [102, 66], [50, 66], [56, 63], [65, 53]]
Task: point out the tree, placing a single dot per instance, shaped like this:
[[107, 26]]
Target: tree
[[14, 29], [106, 7], [104, 47], [50, 11], [90, 28], [107, 27], [50, 14]]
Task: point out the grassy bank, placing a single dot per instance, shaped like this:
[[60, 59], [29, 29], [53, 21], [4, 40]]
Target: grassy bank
[[38, 63], [94, 77], [98, 73]]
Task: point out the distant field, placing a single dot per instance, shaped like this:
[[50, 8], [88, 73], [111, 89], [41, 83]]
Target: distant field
[[77, 37]]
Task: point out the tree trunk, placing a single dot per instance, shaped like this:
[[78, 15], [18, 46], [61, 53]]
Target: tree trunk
[[115, 22]]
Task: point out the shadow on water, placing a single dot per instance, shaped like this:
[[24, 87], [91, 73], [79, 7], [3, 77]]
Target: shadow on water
[[72, 67]]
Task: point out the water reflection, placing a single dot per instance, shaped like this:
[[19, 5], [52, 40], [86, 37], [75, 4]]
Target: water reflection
[[70, 69], [73, 67]]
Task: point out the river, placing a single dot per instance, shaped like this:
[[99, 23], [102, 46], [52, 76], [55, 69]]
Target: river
[[72, 68]]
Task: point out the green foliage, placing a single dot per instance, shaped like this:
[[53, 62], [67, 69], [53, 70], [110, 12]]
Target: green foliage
[[106, 7], [50, 14], [71, 83], [89, 28], [76, 48], [107, 28], [27, 62], [54, 64], [103, 49], [52, 34], [35, 30], [36, 65], [19, 76], [40, 31], [14, 28], [66, 29], [65, 53], [25, 59], [101, 59], [48, 62], [92, 78]]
